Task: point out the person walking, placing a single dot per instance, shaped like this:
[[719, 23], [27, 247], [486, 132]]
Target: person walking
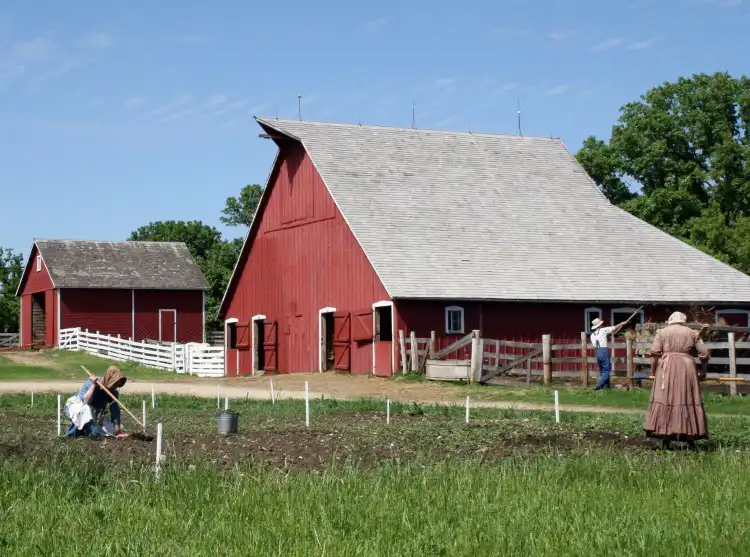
[[599, 334], [675, 409], [87, 409]]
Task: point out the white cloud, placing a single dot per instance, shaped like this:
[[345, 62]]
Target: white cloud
[[560, 36], [446, 81], [557, 90], [375, 24], [257, 109], [135, 102], [606, 44], [32, 51], [442, 123], [96, 41], [643, 45], [512, 86], [178, 103], [507, 33], [216, 100]]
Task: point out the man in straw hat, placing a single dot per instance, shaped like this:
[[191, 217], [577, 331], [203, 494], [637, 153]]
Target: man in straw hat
[[599, 334], [87, 409], [675, 408]]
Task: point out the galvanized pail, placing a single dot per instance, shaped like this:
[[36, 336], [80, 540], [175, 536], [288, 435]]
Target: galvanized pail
[[227, 423]]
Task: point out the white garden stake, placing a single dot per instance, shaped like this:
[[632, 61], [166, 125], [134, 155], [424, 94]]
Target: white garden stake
[[59, 423], [153, 401], [557, 407], [307, 405], [273, 394], [387, 410], [32, 399], [144, 417], [226, 403], [467, 409], [158, 448]]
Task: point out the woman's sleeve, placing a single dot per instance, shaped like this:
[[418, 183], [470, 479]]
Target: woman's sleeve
[[700, 346], [656, 348]]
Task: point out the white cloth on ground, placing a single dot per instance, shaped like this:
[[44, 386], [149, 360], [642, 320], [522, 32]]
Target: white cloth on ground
[[78, 412]]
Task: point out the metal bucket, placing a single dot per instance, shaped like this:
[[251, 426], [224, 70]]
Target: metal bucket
[[227, 423]]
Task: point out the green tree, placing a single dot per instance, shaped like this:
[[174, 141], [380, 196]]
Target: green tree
[[686, 147], [240, 210], [11, 269]]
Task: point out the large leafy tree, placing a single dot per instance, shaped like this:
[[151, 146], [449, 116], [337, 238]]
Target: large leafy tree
[[679, 158], [240, 210], [11, 269]]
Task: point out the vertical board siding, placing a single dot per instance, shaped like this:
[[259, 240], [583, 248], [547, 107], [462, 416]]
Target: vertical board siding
[[26, 319], [36, 281], [189, 306], [302, 258], [50, 320], [106, 311]]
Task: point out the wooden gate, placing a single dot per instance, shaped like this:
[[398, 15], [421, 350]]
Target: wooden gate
[[342, 341]]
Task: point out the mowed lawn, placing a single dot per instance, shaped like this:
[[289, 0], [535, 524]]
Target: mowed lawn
[[58, 365], [509, 483]]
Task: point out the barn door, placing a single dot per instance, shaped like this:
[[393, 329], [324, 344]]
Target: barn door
[[242, 332], [362, 330], [342, 341], [270, 345], [168, 325]]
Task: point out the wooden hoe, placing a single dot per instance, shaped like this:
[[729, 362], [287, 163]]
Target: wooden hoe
[[114, 399]]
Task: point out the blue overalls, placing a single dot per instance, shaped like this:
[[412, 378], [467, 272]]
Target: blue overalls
[[605, 367], [99, 402]]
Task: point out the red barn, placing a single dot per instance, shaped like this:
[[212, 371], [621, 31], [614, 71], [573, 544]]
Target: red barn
[[138, 290], [363, 230]]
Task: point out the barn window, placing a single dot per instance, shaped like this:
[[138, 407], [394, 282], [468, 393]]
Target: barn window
[[38, 263], [622, 314], [733, 317], [589, 314], [454, 320]]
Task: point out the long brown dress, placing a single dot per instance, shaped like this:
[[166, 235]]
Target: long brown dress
[[675, 409]]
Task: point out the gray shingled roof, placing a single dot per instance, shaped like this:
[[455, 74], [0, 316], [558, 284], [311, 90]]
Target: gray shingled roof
[[451, 215], [136, 265]]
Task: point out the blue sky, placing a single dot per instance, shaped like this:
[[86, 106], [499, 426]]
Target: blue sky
[[115, 114]]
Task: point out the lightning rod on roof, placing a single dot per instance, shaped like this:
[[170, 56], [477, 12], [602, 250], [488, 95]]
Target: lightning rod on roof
[[299, 107], [413, 116], [519, 116]]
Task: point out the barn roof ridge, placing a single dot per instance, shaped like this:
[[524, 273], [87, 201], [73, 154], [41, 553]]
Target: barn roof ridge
[[136, 265], [273, 120], [453, 215]]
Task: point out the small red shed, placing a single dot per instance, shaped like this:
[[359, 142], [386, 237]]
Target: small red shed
[[363, 231], [138, 290]]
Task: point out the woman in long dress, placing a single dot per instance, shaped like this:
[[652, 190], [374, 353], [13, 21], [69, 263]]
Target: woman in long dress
[[675, 409]]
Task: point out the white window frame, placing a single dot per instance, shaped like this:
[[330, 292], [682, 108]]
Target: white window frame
[[375, 306], [719, 312], [629, 311], [175, 323], [38, 263], [254, 345], [228, 322], [448, 329], [321, 340], [587, 319]]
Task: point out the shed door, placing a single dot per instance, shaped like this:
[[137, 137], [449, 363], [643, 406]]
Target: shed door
[[270, 345], [362, 325], [342, 341], [168, 325]]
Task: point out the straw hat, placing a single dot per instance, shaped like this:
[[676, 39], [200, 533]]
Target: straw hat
[[677, 317], [596, 323]]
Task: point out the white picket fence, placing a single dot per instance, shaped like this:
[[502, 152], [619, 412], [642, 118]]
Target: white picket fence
[[9, 340], [192, 358]]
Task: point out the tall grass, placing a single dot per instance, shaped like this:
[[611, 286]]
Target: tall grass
[[602, 504]]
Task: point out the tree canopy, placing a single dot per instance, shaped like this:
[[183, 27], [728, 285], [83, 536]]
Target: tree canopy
[[240, 210], [678, 159], [11, 269]]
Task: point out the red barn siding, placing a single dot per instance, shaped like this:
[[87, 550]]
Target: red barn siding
[[36, 281], [106, 311], [302, 258], [189, 306]]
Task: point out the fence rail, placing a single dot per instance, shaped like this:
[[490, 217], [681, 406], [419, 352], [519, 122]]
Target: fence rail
[[193, 358], [9, 340]]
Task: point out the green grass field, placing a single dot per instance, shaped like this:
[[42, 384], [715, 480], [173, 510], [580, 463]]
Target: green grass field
[[66, 365], [509, 483]]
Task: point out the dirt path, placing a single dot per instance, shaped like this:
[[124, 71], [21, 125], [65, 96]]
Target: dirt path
[[293, 387]]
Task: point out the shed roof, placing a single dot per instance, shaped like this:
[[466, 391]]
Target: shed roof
[[129, 265], [458, 215]]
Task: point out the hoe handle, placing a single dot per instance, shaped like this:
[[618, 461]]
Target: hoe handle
[[114, 399]]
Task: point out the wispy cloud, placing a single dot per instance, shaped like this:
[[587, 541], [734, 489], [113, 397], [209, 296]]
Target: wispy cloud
[[446, 81], [135, 102], [177, 104], [375, 24], [258, 109], [512, 86], [187, 38], [561, 36], [507, 33], [557, 90], [442, 123], [19, 59], [645, 44], [607, 44], [96, 41], [718, 3]]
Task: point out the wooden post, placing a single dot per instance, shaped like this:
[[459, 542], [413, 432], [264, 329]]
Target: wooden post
[[433, 344], [402, 347], [528, 371], [414, 352], [497, 354], [732, 365], [629, 359], [480, 362], [613, 360], [475, 357], [584, 360], [547, 358]]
